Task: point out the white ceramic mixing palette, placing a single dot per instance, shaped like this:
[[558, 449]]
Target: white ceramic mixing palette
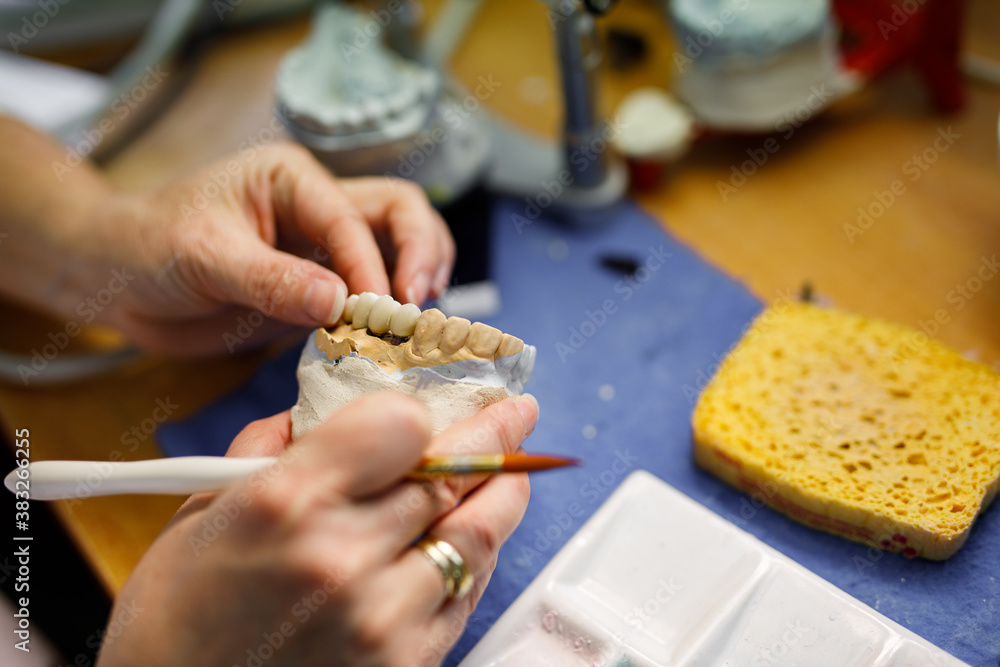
[[653, 578]]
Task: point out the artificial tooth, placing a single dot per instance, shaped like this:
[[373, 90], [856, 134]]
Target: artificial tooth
[[381, 313], [404, 320], [509, 345], [483, 340], [349, 305], [456, 330], [362, 309], [427, 333]]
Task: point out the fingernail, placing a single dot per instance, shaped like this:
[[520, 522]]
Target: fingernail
[[417, 291], [441, 279], [324, 302], [527, 407]]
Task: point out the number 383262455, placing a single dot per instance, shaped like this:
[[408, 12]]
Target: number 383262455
[[22, 452]]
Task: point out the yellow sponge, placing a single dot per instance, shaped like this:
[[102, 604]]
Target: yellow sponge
[[856, 426]]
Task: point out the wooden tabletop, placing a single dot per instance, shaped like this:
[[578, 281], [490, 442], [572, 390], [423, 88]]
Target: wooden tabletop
[[784, 226]]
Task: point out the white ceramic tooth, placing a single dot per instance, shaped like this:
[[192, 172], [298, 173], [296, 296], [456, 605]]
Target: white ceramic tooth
[[381, 313], [349, 305], [362, 308], [483, 340], [456, 331], [404, 320], [427, 333]]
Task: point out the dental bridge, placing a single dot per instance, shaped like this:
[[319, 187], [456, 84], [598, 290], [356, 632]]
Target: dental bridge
[[453, 366]]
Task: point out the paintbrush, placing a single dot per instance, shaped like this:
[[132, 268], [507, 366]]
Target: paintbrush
[[434, 466], [184, 475]]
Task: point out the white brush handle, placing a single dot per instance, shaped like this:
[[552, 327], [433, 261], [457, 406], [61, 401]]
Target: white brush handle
[[184, 475]]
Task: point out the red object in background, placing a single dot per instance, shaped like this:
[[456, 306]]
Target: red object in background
[[880, 34], [645, 174]]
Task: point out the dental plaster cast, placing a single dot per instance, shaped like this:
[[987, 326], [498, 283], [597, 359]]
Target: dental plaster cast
[[344, 83], [453, 366]]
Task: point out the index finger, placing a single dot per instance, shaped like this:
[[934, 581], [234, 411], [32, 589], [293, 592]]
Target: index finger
[[497, 429], [425, 250], [366, 447]]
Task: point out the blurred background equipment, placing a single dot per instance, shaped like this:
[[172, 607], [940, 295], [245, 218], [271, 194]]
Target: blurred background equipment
[[365, 109], [117, 48], [751, 66]]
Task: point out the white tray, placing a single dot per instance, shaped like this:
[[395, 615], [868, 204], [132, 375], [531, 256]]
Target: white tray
[[654, 578]]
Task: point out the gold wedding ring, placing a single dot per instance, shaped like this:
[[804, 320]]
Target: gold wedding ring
[[457, 578]]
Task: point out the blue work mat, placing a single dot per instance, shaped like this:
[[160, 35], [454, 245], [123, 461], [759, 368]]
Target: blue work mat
[[619, 364]]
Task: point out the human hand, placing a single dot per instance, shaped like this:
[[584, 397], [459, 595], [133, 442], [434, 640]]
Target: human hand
[[198, 266], [309, 562]]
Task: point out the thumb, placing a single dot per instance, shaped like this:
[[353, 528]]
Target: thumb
[[264, 437], [368, 445], [280, 285]]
